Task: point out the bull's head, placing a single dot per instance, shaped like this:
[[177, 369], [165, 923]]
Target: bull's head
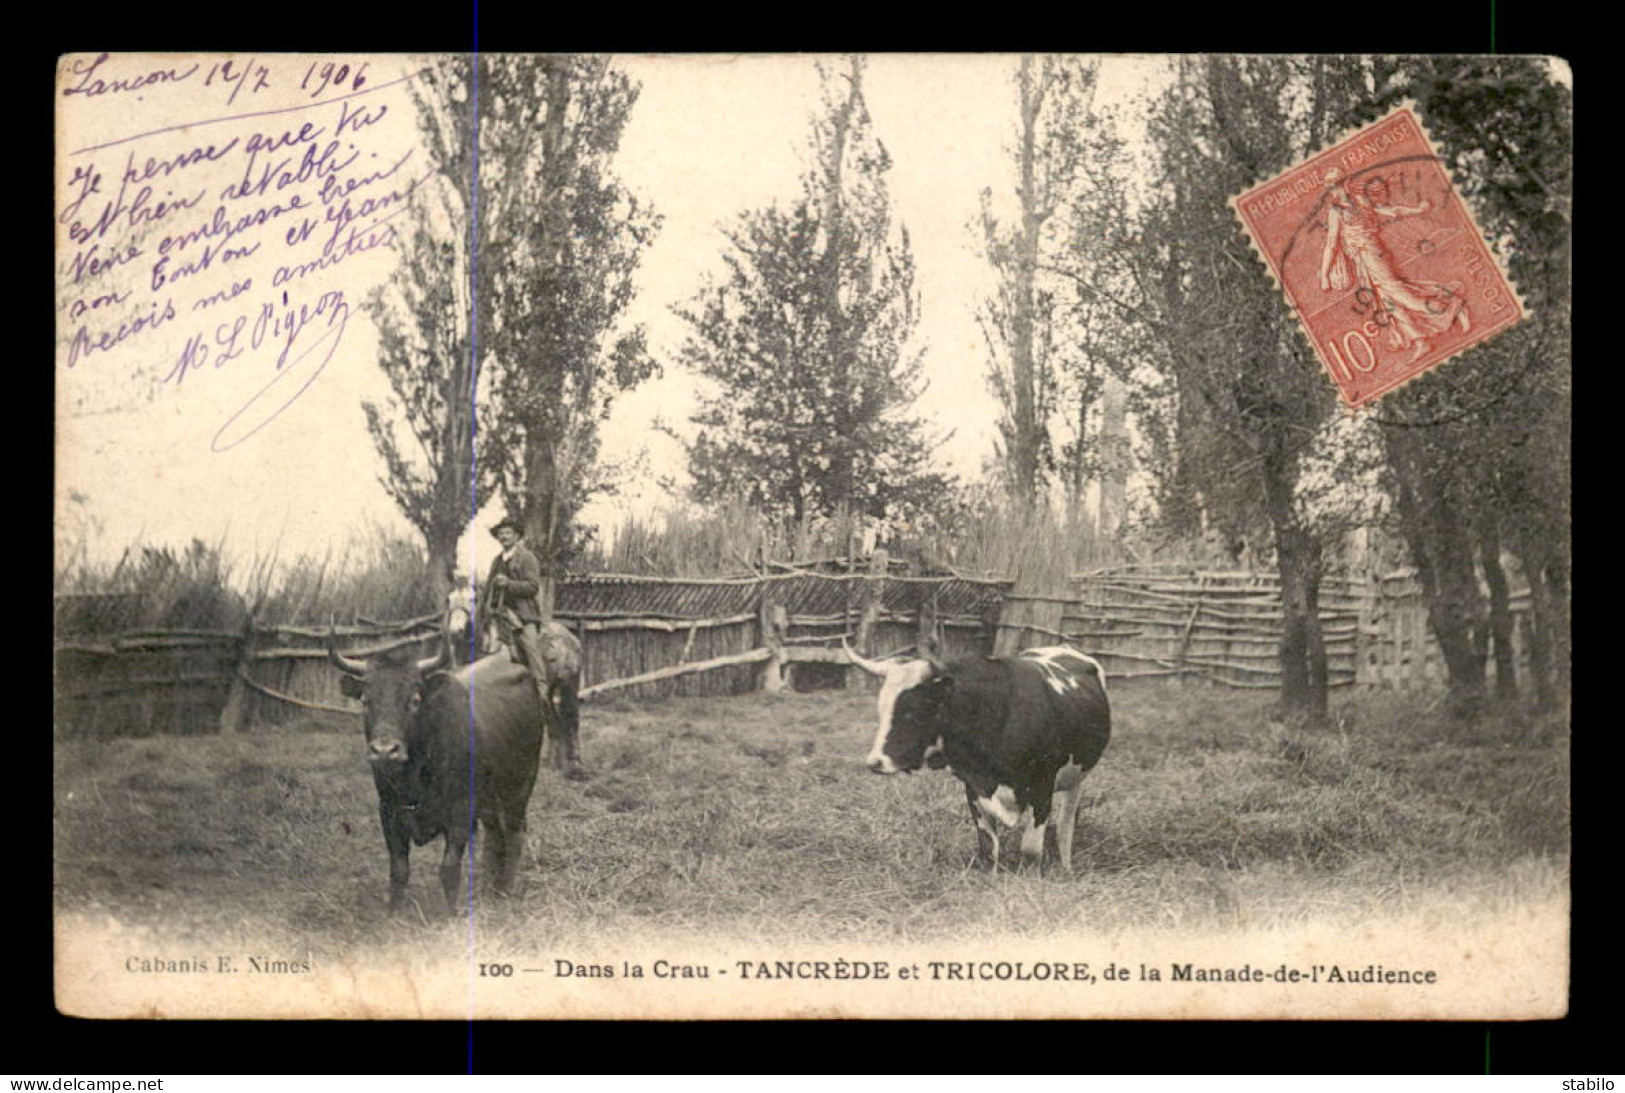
[[913, 693], [390, 684]]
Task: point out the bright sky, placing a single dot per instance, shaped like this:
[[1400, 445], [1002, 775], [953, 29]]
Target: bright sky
[[708, 139]]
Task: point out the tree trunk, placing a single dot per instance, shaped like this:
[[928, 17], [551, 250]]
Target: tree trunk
[[1077, 474], [1298, 561], [1026, 426], [1115, 458], [1549, 641], [544, 501], [1540, 627], [1557, 591], [841, 472], [543, 512], [1489, 556], [1439, 537], [1450, 584], [442, 563]]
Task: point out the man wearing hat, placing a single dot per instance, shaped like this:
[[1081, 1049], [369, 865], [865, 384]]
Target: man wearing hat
[[510, 598]]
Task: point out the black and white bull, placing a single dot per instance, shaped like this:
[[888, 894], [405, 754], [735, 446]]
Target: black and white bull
[[1020, 732], [426, 739]]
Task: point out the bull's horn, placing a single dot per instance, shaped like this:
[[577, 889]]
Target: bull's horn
[[350, 666], [873, 667], [442, 657]]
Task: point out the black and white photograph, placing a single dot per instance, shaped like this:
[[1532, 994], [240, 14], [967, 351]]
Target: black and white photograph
[[886, 535]]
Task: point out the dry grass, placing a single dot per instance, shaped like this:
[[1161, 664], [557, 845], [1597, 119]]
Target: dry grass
[[1037, 546], [721, 540], [754, 816], [380, 577], [149, 587]]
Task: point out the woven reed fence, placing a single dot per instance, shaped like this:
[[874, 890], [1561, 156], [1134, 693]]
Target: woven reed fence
[[143, 682], [645, 637], [1146, 622], [649, 636], [186, 682], [641, 637]]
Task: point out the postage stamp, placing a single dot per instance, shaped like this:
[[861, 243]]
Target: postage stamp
[[1380, 258]]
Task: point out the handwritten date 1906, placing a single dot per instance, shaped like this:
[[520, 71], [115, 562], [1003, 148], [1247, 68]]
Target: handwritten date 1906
[[335, 74]]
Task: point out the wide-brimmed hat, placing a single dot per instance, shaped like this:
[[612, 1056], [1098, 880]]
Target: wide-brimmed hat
[[508, 522]]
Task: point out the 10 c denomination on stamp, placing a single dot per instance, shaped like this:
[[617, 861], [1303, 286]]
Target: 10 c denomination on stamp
[[1380, 258]]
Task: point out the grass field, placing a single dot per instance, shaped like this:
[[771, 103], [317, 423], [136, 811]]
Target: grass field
[[755, 816]]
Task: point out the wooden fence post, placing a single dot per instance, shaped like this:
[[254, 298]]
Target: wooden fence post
[[774, 625], [1018, 613], [234, 712], [1189, 631], [930, 630], [1362, 623], [871, 589]]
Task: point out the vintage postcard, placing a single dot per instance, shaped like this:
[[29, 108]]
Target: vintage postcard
[[561, 536]]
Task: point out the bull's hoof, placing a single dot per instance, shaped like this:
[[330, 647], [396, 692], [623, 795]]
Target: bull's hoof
[[578, 773]]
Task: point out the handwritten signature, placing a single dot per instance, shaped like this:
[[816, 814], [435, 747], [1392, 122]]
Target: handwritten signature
[[299, 361]]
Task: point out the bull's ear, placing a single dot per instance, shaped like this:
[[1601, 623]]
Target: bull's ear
[[351, 686], [943, 684]]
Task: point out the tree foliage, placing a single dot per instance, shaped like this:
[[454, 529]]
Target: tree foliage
[[807, 340], [1229, 399], [1044, 342], [552, 238], [1479, 450], [1235, 409], [562, 239], [435, 467]]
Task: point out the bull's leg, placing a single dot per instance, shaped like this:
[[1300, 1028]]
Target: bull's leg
[[1032, 836], [495, 837], [451, 870], [513, 852], [987, 835], [1068, 796], [568, 720], [400, 861]]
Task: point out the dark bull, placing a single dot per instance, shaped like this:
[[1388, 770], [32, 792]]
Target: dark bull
[[426, 740]]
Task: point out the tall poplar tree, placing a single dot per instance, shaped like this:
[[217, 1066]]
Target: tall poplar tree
[[1033, 347], [435, 468], [509, 309]]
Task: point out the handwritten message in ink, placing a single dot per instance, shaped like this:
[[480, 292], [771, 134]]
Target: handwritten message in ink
[[221, 220]]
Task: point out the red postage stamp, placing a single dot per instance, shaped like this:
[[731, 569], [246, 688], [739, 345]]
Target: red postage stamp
[[1380, 257]]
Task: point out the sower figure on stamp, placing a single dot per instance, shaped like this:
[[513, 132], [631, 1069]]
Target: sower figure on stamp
[[1414, 311], [549, 650]]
